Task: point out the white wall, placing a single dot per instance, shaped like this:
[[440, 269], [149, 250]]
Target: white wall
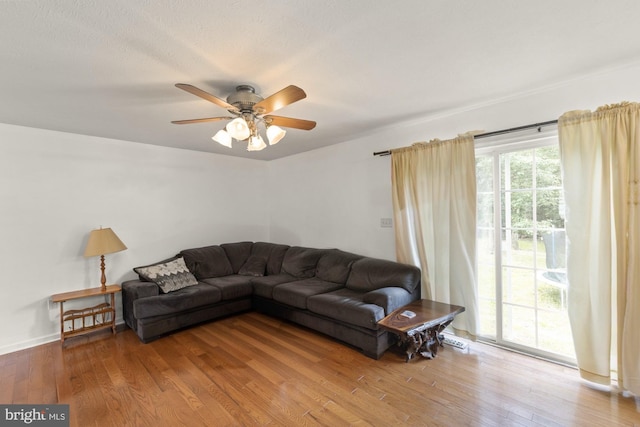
[[336, 196], [56, 187], [333, 197]]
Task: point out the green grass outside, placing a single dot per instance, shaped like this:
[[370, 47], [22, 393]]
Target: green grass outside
[[525, 295]]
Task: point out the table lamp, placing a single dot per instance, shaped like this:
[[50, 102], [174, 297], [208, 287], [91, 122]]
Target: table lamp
[[103, 241]]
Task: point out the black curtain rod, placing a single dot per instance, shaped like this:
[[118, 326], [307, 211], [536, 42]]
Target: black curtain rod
[[494, 133]]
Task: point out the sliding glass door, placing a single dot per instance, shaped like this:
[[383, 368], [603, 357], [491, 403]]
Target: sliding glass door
[[521, 248]]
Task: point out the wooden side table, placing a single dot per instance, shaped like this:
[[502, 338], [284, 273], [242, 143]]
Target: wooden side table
[[82, 321], [420, 334]]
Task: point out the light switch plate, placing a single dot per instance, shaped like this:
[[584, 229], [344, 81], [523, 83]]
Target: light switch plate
[[386, 222]]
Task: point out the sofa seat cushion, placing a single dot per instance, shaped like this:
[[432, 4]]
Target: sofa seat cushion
[[347, 306], [232, 287], [296, 293], [263, 286], [177, 301]]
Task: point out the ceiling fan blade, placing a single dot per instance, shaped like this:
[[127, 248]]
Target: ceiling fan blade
[[286, 96], [208, 119], [205, 95], [288, 122]]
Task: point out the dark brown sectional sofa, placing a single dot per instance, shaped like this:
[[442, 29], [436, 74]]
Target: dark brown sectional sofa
[[337, 293]]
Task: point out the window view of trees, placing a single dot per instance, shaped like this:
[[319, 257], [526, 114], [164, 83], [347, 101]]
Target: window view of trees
[[548, 185], [525, 304]]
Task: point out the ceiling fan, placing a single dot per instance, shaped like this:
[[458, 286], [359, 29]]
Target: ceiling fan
[[249, 110]]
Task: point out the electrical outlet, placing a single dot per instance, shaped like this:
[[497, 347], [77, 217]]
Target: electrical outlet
[[386, 222]]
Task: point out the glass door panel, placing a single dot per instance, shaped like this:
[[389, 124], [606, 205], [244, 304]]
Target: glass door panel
[[519, 325], [525, 305], [486, 246]]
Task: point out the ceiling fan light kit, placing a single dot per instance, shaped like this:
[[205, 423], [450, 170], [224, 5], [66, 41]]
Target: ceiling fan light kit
[[275, 134], [249, 110], [256, 143], [222, 137], [238, 129]]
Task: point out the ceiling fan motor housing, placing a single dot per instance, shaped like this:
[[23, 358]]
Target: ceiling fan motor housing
[[244, 98]]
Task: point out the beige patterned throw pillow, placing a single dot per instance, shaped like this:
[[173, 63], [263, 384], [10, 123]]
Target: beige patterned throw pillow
[[169, 276]]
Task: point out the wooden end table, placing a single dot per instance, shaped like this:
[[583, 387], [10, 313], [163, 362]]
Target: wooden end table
[[421, 334], [82, 321]]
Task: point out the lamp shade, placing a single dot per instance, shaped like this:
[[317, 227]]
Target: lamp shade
[[222, 137], [103, 241], [256, 143], [275, 134], [239, 129]]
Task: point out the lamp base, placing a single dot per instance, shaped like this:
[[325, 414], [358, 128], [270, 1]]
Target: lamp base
[[103, 277]]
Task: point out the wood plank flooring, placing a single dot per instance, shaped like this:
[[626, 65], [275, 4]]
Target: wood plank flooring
[[251, 369]]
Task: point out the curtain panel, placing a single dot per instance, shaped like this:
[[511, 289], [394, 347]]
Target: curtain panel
[[600, 157], [434, 208]]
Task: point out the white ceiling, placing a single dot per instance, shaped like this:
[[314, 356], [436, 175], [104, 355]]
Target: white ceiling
[[108, 68]]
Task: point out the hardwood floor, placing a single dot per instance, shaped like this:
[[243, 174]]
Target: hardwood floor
[[256, 370]]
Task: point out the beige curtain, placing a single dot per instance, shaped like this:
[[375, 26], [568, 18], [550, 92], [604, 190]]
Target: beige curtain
[[600, 155], [434, 203]]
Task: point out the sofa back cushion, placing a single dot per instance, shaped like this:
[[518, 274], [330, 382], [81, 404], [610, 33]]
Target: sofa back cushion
[[265, 259], [206, 262], [368, 274], [335, 265], [276, 257], [301, 262], [255, 266], [237, 253]]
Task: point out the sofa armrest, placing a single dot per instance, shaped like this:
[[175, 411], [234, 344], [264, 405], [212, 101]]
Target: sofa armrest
[[390, 298], [131, 291], [138, 289]]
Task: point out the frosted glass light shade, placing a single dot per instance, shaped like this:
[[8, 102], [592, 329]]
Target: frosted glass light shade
[[256, 143], [238, 129], [222, 137], [275, 134]]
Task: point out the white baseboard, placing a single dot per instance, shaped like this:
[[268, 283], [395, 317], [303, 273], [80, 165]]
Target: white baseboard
[[34, 342]]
